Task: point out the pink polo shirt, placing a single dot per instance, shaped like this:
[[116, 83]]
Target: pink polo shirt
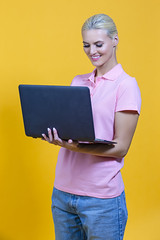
[[96, 176]]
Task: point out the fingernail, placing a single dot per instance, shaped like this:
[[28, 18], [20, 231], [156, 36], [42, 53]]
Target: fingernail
[[48, 129], [54, 129]]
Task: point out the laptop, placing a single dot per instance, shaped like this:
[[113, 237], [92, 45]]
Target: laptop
[[66, 108]]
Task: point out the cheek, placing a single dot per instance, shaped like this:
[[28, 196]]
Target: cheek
[[106, 52], [107, 48], [86, 51]]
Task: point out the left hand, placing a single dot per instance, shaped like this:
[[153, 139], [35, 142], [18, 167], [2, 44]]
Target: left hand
[[54, 139]]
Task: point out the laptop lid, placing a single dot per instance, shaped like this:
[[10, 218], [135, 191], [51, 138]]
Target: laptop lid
[[67, 108]]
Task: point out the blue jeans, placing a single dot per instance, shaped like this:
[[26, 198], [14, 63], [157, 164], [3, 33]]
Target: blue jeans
[[88, 218]]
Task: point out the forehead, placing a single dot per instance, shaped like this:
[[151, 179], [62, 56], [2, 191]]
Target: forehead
[[94, 35]]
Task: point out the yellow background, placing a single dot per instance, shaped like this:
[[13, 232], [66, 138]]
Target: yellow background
[[40, 43]]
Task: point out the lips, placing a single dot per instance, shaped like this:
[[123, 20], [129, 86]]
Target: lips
[[95, 57]]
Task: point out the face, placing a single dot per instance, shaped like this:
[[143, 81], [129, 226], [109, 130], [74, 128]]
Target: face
[[100, 48]]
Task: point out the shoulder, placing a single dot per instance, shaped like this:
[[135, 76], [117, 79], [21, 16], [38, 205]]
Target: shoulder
[[127, 81], [78, 79]]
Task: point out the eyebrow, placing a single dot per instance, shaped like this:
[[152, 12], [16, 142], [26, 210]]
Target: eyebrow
[[94, 42]]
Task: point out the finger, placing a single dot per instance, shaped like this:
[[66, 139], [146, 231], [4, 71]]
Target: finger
[[70, 141], [50, 134], [44, 137], [56, 137], [55, 134]]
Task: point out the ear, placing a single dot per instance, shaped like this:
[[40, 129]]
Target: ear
[[115, 40]]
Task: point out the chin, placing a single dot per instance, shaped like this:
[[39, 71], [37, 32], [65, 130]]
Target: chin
[[96, 64]]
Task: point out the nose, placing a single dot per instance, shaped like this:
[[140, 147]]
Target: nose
[[92, 49]]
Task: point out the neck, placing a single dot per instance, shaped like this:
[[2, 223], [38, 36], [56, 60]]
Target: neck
[[106, 67]]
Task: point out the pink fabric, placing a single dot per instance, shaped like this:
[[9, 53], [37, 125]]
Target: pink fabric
[[95, 176]]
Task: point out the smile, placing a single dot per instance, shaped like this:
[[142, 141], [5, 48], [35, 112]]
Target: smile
[[95, 58]]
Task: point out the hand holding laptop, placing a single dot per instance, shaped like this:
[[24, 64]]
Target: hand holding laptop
[[54, 139]]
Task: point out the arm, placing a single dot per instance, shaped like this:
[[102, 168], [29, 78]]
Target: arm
[[125, 125]]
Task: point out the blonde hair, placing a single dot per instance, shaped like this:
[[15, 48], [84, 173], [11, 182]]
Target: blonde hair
[[101, 21]]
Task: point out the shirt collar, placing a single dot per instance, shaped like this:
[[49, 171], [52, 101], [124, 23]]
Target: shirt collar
[[91, 77], [111, 75]]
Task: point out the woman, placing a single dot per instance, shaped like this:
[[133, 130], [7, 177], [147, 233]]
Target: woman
[[88, 200]]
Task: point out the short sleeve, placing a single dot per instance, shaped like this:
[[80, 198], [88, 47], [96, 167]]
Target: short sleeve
[[128, 96]]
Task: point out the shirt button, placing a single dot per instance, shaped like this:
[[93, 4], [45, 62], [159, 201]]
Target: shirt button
[[98, 78]]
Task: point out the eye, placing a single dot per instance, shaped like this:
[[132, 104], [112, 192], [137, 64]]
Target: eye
[[99, 45], [86, 46]]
